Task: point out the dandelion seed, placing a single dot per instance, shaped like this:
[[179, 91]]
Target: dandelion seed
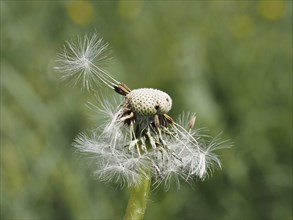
[[139, 138], [81, 61]]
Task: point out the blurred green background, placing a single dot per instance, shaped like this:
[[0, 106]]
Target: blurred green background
[[228, 61]]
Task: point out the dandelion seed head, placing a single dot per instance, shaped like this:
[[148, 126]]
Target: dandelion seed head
[[139, 139]]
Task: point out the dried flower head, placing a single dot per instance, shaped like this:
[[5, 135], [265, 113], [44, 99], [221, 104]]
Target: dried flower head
[[140, 139]]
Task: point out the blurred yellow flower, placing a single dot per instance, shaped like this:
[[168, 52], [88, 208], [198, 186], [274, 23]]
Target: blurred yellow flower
[[80, 12], [241, 26], [272, 10], [129, 10]]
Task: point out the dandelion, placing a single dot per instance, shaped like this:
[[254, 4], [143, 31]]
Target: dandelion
[[139, 142]]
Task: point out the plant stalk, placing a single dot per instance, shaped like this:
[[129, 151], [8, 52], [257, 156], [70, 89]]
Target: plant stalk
[[138, 199]]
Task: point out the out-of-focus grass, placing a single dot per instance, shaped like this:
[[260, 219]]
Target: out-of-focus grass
[[229, 61]]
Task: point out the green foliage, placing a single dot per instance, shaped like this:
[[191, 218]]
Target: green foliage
[[229, 61]]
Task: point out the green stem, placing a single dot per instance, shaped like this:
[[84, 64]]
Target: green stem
[[138, 200]]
